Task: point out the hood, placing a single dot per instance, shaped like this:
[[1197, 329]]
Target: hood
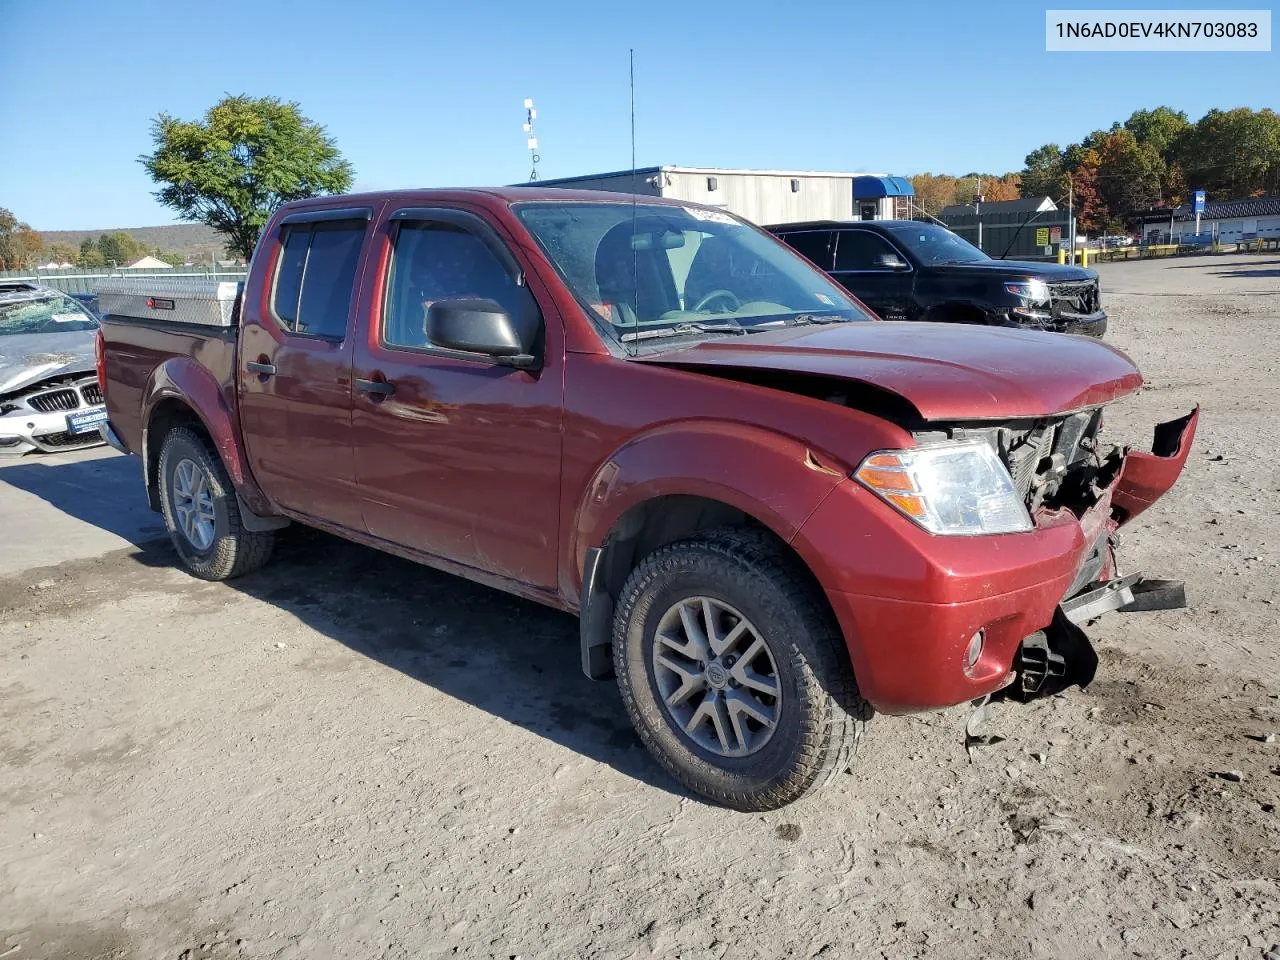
[[945, 371], [1049, 272], [27, 358]]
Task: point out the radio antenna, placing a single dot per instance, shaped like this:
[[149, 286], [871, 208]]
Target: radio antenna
[[635, 189], [530, 115]]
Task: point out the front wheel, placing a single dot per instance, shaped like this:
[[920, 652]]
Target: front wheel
[[733, 671], [201, 511]]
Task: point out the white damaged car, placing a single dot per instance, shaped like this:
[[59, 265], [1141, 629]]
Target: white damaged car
[[49, 394]]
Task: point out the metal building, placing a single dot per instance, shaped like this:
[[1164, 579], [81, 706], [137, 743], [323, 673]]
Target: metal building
[[762, 196], [1027, 229]]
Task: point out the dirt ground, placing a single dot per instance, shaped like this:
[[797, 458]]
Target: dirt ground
[[350, 756]]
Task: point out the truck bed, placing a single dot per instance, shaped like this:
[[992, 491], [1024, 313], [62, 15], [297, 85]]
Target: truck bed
[[150, 327]]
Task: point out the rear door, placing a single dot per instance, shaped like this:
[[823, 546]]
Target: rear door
[[294, 375], [814, 245], [876, 272], [456, 456]]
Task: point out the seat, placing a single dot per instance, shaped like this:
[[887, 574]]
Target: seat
[[637, 284]]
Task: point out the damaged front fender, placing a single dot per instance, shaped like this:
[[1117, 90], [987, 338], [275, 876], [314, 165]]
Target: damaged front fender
[[1146, 477]]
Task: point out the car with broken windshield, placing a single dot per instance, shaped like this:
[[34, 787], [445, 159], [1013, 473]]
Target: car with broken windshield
[[49, 394], [773, 514]]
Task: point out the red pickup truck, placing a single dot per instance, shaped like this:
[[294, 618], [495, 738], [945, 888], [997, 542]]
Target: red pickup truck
[[773, 513]]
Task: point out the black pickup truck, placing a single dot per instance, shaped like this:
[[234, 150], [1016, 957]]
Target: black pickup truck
[[908, 270]]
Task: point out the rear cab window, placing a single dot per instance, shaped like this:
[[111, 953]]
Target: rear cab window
[[315, 275]]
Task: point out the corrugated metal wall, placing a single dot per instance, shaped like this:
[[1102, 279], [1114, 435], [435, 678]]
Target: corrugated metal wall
[[1011, 236], [767, 198], [761, 198]]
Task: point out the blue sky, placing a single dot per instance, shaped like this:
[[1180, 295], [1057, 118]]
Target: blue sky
[[429, 94]]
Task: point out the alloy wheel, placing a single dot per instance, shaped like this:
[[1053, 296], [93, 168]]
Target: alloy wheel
[[716, 677]]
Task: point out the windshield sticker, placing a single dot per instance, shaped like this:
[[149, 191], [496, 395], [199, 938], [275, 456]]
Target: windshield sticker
[[825, 299], [67, 317], [711, 216]]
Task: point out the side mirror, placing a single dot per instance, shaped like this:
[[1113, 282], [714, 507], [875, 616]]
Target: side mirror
[[481, 326]]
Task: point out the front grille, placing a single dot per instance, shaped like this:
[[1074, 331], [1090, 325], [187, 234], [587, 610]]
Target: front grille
[[67, 439], [92, 394], [54, 400], [1076, 297]]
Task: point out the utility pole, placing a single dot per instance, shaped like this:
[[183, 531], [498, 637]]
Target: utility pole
[[977, 209], [1071, 218]]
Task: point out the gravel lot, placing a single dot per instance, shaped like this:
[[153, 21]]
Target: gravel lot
[[350, 756]]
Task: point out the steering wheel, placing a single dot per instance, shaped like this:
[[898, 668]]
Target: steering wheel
[[719, 294]]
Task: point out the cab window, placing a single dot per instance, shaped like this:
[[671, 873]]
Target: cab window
[[440, 261], [315, 277]]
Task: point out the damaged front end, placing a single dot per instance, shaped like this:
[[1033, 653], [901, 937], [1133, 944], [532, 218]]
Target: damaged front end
[[1067, 476]]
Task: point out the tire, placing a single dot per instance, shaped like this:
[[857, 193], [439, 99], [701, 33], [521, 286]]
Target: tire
[[818, 715], [230, 550]]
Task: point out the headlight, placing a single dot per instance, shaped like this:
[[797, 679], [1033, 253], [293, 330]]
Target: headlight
[[957, 488], [1037, 291]]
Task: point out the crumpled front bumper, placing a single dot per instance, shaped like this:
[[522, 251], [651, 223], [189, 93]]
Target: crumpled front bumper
[[909, 603]]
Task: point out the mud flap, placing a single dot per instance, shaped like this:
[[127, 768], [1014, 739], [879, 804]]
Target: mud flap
[[1146, 477]]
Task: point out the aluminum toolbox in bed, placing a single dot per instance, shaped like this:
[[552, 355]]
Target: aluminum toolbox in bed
[[210, 303]]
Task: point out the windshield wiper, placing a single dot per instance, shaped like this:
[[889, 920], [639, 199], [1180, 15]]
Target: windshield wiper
[[800, 319], [681, 329]]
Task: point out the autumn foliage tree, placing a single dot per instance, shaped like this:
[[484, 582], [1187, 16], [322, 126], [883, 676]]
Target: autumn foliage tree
[[20, 246], [248, 155], [1156, 158]]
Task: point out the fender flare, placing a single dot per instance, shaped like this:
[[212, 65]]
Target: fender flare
[[184, 380], [776, 479]]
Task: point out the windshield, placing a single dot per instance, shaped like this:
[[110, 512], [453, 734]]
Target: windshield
[[55, 313], [658, 271], [933, 244]]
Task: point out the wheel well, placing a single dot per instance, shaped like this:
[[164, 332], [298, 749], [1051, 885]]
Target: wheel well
[[655, 523], [167, 415], [640, 531], [956, 313]]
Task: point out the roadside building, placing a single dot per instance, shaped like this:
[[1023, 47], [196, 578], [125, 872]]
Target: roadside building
[[1031, 227], [1227, 221], [762, 196], [149, 263]]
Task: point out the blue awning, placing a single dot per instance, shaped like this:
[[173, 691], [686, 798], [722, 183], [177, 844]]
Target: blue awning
[[873, 188]]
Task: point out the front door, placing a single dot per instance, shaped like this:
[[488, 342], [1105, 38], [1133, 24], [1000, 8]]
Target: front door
[[295, 366], [455, 456], [875, 272]]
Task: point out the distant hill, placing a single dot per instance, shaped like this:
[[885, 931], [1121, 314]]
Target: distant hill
[[193, 240]]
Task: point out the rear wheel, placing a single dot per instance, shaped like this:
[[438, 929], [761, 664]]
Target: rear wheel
[[201, 511], [733, 671]]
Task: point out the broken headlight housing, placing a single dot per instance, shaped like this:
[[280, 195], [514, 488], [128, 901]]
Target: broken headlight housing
[[954, 488], [1032, 290]]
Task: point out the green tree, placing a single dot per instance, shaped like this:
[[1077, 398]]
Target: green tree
[[248, 155], [89, 257], [120, 248], [171, 257], [1043, 173], [1160, 128], [1232, 153]]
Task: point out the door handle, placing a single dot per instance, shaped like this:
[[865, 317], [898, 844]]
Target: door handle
[[375, 388], [261, 368]]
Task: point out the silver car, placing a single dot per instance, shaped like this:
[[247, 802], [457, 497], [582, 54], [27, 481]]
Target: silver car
[[49, 394]]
